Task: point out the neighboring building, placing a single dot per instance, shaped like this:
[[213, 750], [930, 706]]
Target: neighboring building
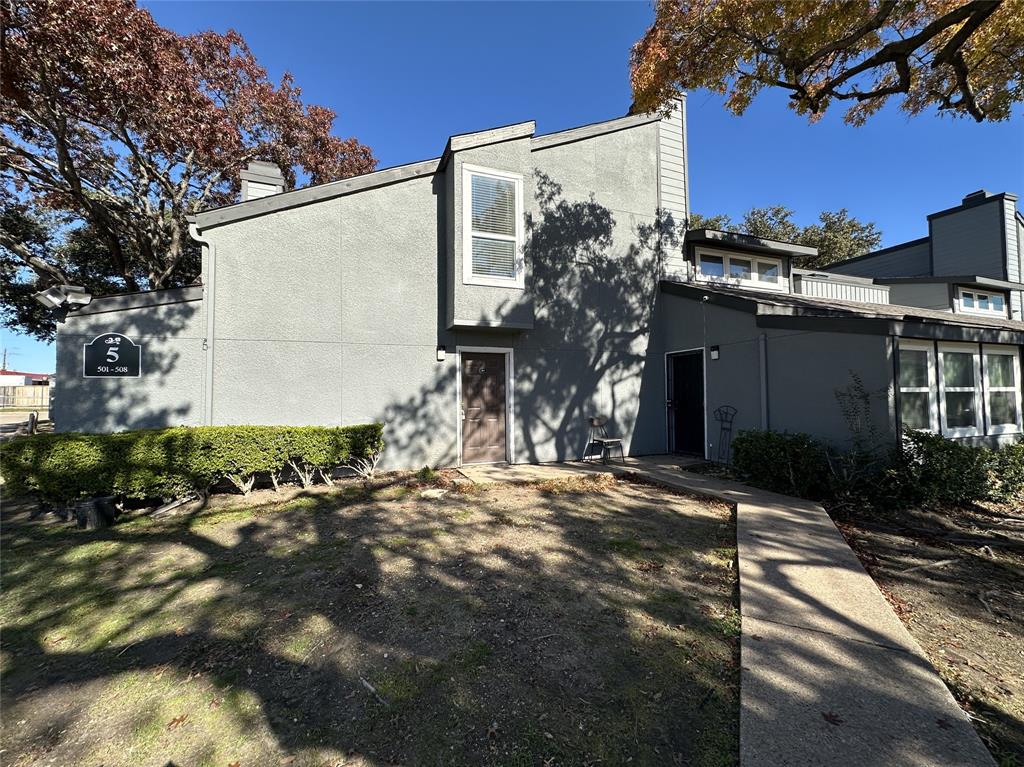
[[969, 263], [20, 378], [485, 303]]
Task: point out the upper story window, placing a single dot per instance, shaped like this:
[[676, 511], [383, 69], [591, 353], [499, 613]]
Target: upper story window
[[959, 389], [981, 302], [759, 272], [492, 223]]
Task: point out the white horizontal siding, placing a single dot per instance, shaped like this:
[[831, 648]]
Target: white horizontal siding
[[844, 291], [672, 191]]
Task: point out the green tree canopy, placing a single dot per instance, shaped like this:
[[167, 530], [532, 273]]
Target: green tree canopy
[[837, 235]]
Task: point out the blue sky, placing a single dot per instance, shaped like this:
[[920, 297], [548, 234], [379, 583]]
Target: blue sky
[[404, 76]]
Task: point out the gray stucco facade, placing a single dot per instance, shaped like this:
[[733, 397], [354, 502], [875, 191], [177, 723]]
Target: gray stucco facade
[[353, 302]]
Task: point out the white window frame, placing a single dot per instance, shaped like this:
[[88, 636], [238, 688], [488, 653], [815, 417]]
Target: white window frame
[[468, 277], [1009, 351], [929, 389], [782, 286], [975, 293], [975, 351]]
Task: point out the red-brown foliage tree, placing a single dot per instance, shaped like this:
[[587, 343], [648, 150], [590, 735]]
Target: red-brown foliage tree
[[119, 125]]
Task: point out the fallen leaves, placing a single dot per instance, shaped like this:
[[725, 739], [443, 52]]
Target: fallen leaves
[[177, 722], [832, 718]]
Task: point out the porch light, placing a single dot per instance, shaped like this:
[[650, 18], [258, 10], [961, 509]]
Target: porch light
[[440, 353]]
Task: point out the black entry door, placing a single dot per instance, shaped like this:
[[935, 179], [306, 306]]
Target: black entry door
[[686, 402]]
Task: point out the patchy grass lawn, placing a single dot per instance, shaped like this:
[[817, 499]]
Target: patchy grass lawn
[[957, 581], [580, 622]]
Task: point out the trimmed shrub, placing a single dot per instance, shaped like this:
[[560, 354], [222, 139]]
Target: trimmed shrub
[[167, 463], [1006, 475], [934, 471], [795, 464]]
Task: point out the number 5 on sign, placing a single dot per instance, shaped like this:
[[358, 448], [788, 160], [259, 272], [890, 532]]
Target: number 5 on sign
[[99, 355]]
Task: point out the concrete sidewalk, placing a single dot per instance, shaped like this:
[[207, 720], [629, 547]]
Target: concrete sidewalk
[[829, 674]]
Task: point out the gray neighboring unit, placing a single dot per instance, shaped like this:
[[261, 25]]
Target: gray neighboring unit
[[981, 237]]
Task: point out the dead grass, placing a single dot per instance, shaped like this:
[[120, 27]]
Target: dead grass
[[956, 579], [572, 622]]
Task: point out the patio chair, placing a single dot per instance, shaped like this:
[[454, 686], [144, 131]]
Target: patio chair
[[599, 436]]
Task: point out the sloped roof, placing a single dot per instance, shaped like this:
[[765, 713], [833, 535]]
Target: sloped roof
[[770, 304]]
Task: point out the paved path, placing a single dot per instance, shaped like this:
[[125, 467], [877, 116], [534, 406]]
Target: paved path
[[829, 674]]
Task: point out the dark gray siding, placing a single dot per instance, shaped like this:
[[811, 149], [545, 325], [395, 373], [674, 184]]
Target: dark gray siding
[[929, 295], [909, 261], [970, 241]]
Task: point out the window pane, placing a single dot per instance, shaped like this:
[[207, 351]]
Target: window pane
[[983, 302], [967, 299], [913, 367], [494, 258], [1000, 369], [958, 369], [739, 268], [767, 272], [960, 409], [711, 266], [494, 205], [1003, 408], [914, 410], [997, 303]]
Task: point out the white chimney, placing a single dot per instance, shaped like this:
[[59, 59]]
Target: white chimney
[[261, 179]]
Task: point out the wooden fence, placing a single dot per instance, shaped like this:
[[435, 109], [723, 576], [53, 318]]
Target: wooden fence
[[27, 397]]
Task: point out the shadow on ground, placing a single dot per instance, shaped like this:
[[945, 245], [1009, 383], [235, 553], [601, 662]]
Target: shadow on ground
[[579, 622]]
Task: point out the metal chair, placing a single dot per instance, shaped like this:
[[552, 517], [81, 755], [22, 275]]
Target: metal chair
[[599, 436], [725, 416]]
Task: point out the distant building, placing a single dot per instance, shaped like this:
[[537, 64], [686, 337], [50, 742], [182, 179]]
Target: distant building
[[20, 378]]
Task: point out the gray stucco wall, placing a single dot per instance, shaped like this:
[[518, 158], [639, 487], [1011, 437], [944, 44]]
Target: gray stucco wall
[[804, 372], [332, 313], [169, 392]]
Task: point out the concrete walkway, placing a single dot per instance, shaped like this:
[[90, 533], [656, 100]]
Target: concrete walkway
[[829, 674]]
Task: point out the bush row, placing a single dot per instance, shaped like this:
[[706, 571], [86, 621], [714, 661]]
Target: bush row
[[925, 470], [169, 463]]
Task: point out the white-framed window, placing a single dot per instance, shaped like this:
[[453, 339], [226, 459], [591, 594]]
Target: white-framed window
[[1001, 379], [960, 390], [492, 226], [740, 269], [918, 402], [984, 302]]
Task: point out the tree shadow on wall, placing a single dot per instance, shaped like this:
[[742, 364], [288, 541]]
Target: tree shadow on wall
[[593, 284]]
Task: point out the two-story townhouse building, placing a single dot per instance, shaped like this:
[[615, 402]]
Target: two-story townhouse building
[[485, 303]]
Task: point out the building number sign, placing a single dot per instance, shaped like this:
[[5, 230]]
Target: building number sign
[[112, 355]]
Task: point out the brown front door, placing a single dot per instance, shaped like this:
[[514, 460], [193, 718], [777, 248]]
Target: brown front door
[[483, 407]]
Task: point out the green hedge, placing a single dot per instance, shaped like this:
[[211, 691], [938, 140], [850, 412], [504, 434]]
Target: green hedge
[[794, 464], [926, 470], [167, 463]]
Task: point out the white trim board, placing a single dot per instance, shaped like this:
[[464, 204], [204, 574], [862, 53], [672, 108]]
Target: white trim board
[[510, 430]]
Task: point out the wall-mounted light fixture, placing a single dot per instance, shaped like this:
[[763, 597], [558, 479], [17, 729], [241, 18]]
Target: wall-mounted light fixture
[[440, 353], [714, 352]]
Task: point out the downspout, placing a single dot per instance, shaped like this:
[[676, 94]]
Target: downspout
[[763, 349], [209, 275]]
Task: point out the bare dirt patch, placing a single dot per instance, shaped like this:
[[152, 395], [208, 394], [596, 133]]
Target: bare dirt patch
[[956, 579], [564, 623]]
